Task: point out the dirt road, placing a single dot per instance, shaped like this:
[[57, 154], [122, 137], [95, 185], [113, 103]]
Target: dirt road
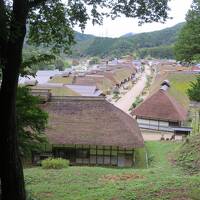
[[126, 101]]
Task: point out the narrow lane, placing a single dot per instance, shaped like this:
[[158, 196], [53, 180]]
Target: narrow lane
[[125, 102]]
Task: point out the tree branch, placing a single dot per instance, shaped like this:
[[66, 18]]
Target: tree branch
[[34, 3]]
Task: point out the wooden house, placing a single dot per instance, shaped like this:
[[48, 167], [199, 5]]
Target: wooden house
[[91, 131], [162, 112]]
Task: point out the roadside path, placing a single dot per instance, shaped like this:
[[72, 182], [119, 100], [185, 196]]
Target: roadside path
[[125, 102]]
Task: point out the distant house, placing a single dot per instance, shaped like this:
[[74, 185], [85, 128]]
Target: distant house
[[86, 90], [91, 131], [162, 112], [195, 69]]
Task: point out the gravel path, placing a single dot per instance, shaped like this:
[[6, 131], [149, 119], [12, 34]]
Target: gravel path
[[126, 101]]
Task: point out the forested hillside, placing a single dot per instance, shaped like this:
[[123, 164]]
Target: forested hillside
[[158, 44]]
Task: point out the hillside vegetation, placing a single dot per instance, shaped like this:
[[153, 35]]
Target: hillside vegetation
[[180, 82], [189, 155], [161, 181], [143, 44]]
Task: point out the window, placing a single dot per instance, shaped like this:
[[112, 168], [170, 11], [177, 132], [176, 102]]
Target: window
[[173, 123], [82, 153]]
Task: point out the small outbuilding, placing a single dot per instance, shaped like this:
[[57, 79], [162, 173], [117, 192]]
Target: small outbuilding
[[92, 131]]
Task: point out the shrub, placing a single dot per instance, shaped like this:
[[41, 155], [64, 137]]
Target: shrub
[[137, 102], [55, 163], [29, 196], [189, 154]]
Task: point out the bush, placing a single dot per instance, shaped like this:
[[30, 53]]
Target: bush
[[188, 156], [29, 196], [55, 163], [137, 102]]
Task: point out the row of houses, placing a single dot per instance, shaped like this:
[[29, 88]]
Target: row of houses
[[88, 130], [91, 131], [92, 83]]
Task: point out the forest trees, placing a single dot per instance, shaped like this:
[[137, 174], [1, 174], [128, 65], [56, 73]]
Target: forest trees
[[50, 24], [187, 48]]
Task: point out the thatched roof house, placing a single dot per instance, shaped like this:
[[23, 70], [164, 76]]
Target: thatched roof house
[[91, 121], [160, 111], [93, 124], [161, 106]]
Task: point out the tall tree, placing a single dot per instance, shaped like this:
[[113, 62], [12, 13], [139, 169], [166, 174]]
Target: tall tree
[[50, 23], [187, 48]]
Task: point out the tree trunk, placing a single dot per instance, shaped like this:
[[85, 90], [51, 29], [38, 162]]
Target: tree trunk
[[12, 179]]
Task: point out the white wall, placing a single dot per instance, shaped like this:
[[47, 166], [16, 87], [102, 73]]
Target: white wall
[[153, 124]]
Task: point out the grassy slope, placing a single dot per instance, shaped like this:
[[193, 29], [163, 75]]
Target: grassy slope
[[60, 91], [160, 181], [63, 91], [180, 82], [189, 154]]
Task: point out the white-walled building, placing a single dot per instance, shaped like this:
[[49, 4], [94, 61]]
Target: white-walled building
[[161, 112]]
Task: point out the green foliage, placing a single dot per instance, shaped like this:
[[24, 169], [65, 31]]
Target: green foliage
[[59, 64], [137, 102], [161, 181], [55, 163], [187, 47], [31, 122], [94, 60], [35, 60], [194, 90], [189, 154], [29, 196], [157, 44], [164, 52]]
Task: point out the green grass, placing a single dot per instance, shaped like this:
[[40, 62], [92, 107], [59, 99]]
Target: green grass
[[63, 91], [180, 83], [160, 181], [189, 154], [59, 91]]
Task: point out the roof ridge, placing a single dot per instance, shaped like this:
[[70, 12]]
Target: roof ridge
[[175, 104], [127, 116], [80, 98], [150, 107]]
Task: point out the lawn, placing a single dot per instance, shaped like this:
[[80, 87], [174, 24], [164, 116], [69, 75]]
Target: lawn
[[58, 91], [161, 180], [180, 83]]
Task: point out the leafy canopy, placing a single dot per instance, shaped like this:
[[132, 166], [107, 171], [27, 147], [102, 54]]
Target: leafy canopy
[[187, 48], [51, 22], [31, 121]]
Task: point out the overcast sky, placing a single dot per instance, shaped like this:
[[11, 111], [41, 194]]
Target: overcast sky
[[124, 25]]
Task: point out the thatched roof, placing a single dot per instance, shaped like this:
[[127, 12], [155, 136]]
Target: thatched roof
[[91, 121], [161, 106], [85, 90]]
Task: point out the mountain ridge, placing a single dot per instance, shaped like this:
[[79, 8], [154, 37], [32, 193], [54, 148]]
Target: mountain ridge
[[90, 45]]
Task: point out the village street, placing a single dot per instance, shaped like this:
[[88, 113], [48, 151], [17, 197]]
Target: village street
[[125, 102]]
